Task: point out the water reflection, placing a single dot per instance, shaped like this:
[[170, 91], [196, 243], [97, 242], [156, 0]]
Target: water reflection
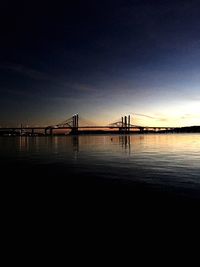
[[183, 146], [23, 143], [125, 142], [166, 160], [170, 158], [75, 143]]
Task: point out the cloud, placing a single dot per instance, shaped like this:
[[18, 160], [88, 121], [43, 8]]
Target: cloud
[[51, 87], [79, 87], [16, 92], [143, 115], [163, 119], [189, 116], [26, 71]]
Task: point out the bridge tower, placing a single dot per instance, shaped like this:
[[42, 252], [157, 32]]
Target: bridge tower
[[75, 120], [125, 124]]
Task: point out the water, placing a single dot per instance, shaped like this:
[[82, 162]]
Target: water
[[167, 161]]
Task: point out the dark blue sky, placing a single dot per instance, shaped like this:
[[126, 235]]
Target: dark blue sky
[[102, 59]]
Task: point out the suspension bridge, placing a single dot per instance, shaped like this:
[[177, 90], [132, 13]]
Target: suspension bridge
[[75, 125]]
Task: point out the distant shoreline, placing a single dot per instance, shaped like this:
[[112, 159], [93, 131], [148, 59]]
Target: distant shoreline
[[27, 132], [82, 133]]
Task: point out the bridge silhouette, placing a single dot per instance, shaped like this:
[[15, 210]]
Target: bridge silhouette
[[73, 124], [77, 125]]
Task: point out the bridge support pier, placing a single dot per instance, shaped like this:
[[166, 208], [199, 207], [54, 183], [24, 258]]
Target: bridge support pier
[[141, 130], [48, 131]]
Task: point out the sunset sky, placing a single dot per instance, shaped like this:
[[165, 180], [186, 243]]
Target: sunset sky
[[101, 59]]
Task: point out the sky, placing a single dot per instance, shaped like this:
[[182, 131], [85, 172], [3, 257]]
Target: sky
[[101, 59]]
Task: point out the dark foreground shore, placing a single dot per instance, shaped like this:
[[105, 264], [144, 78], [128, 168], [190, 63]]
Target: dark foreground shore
[[58, 184], [155, 197], [51, 199]]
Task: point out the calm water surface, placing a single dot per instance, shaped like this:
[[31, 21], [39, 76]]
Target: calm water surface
[[162, 159]]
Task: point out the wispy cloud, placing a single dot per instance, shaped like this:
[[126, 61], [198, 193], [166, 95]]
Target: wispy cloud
[[80, 87], [57, 92], [189, 116], [60, 82], [162, 119], [16, 92], [143, 115], [59, 87], [24, 70]]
